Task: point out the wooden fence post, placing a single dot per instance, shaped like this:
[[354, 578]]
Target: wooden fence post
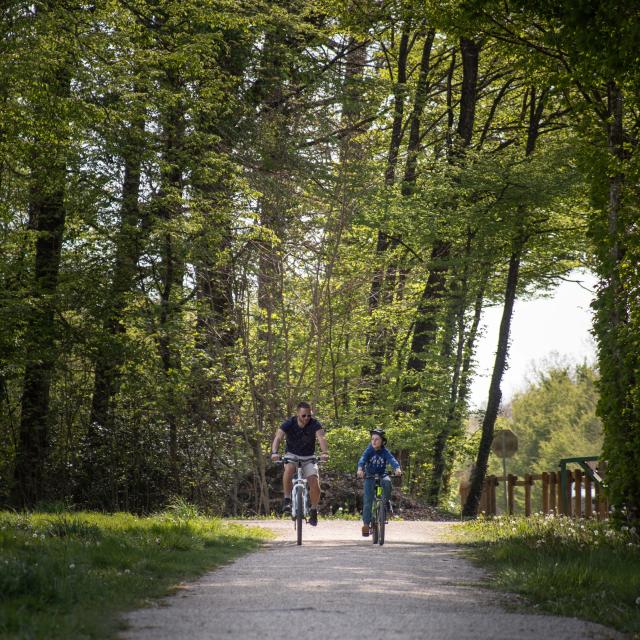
[[601, 503], [511, 482], [553, 493], [567, 497], [588, 508], [491, 507], [559, 498], [577, 474], [545, 493], [528, 481]]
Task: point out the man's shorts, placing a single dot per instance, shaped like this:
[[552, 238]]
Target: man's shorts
[[309, 468]]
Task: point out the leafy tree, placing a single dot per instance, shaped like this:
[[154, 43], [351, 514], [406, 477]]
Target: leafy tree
[[554, 417]]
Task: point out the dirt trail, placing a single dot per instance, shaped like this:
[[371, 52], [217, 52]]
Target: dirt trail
[[337, 585]]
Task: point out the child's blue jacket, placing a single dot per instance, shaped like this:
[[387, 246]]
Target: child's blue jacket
[[375, 462]]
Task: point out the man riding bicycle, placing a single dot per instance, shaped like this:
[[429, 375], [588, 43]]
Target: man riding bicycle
[[374, 462], [301, 432]]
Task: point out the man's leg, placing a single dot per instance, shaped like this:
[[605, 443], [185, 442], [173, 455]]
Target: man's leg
[[314, 491], [314, 496], [287, 486], [287, 479]]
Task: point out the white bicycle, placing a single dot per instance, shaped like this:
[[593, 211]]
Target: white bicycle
[[300, 503]]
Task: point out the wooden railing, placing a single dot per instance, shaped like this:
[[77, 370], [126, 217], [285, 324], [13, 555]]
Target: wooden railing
[[578, 496]]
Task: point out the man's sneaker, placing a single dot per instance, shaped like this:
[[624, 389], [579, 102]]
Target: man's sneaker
[[365, 530], [286, 506], [313, 517]]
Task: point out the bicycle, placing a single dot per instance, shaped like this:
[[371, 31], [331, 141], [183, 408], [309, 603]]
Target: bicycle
[[300, 502], [378, 511]]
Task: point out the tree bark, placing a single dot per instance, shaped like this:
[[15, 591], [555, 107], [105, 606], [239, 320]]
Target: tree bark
[[426, 324], [457, 391], [376, 337], [419, 102], [400, 91], [110, 356], [470, 509], [47, 215], [470, 51], [172, 263]]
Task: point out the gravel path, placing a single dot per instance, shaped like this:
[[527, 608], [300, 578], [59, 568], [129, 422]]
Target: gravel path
[[337, 585]]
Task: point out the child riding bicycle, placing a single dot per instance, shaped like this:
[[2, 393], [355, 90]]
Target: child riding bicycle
[[374, 461]]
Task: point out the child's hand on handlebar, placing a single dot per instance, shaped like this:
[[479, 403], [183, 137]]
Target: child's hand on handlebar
[[275, 457], [398, 471], [324, 457], [360, 473]]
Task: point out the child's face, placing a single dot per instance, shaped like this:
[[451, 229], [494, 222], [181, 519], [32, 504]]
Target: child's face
[[376, 441]]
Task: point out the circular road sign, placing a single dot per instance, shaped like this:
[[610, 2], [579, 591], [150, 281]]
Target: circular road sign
[[505, 443]]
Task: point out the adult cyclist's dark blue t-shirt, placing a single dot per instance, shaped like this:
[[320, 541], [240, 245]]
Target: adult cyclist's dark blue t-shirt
[[301, 441]]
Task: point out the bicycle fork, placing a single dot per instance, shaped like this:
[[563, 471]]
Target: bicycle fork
[[299, 486]]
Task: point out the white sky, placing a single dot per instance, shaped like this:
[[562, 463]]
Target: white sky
[[540, 328]]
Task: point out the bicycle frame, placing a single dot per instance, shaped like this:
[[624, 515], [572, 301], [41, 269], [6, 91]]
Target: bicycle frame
[[300, 503], [300, 485], [378, 511]]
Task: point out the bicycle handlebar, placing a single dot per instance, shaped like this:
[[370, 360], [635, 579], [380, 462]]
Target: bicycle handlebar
[[300, 461], [379, 475]]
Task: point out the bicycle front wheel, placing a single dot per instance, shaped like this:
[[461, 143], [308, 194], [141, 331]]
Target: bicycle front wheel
[[299, 515], [374, 522], [382, 516]]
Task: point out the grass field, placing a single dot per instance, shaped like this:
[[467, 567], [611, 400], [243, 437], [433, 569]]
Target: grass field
[[577, 568], [70, 575]]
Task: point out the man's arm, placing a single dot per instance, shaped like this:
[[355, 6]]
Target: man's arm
[[324, 446], [275, 445]]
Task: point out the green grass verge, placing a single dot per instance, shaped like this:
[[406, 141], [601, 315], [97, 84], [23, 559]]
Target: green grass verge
[[577, 568], [70, 575]]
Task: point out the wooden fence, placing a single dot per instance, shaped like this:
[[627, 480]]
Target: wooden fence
[[578, 496]]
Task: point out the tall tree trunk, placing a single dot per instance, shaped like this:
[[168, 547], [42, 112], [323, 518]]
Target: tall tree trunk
[[399, 96], [456, 418], [351, 155], [274, 165], [110, 356], [376, 336], [172, 264], [616, 309], [462, 345], [470, 509], [419, 102], [426, 324], [47, 214], [470, 50]]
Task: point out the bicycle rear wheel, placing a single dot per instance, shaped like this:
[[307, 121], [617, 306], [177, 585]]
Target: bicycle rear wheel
[[382, 516], [299, 516]]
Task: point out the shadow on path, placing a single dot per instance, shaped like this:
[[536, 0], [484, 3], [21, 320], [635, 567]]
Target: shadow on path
[[339, 586]]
